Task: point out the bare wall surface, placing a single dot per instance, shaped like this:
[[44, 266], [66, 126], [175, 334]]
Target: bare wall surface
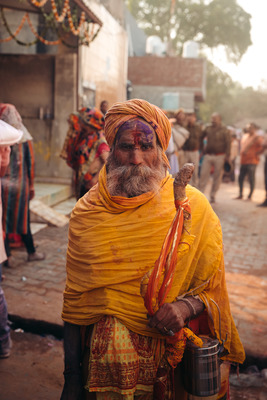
[[154, 94], [44, 90], [105, 61]]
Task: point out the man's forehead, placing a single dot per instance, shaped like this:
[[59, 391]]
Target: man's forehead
[[136, 129]]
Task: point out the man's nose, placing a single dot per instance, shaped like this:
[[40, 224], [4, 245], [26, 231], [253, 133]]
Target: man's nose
[[136, 157]]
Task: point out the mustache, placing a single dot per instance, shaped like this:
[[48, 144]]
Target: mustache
[[133, 180]]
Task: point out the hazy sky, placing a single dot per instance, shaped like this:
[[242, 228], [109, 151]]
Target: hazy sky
[[252, 68]]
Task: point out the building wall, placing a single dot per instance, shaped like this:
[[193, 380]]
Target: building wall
[[13, 18], [116, 9], [167, 71], [186, 73], [154, 94], [103, 65], [44, 97]]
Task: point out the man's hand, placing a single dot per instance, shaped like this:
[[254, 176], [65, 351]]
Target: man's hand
[[170, 318]]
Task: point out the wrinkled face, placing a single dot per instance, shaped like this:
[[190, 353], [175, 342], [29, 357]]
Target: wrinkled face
[[135, 164], [136, 144]]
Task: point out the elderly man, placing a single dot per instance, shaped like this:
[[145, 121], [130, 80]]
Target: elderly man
[[117, 238], [216, 152]]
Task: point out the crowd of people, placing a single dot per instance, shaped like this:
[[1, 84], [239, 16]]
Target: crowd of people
[[145, 252], [214, 150]]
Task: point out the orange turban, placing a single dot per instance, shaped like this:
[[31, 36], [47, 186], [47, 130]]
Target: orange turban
[[122, 112]]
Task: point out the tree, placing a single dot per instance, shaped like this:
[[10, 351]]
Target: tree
[[220, 87], [230, 99], [210, 23]]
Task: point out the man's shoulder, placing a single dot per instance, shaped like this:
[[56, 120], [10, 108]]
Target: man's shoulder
[[200, 207], [195, 196], [208, 127], [223, 128], [85, 205]]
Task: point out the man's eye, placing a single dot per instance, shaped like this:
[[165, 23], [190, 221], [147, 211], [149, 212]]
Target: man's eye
[[125, 146], [147, 147]]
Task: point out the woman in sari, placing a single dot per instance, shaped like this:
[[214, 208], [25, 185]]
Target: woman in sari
[[85, 149]]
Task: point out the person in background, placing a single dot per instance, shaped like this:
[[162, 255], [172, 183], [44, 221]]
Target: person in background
[[8, 135], [180, 133], [217, 151], [104, 106], [172, 157], [251, 148], [233, 154], [171, 151], [264, 146], [124, 318], [229, 167], [190, 149], [85, 148], [18, 187]]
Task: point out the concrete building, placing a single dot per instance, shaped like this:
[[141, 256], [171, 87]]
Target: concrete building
[[168, 82]]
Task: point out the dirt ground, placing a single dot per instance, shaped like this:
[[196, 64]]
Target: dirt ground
[[34, 371]]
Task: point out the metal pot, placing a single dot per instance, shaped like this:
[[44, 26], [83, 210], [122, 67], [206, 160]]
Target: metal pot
[[201, 368]]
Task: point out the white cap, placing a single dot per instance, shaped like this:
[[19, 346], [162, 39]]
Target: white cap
[[8, 134]]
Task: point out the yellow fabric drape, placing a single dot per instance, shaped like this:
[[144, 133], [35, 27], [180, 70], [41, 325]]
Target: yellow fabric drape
[[114, 241]]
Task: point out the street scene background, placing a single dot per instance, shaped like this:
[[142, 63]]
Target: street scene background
[[50, 67]]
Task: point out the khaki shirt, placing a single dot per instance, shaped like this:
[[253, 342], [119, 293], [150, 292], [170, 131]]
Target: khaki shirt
[[218, 140]]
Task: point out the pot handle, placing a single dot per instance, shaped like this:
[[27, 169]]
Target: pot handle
[[222, 352]]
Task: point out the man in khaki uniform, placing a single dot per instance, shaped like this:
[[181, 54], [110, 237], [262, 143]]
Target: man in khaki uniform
[[216, 152]]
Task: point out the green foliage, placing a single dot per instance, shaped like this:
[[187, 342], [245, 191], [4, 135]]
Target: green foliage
[[230, 99], [218, 22]]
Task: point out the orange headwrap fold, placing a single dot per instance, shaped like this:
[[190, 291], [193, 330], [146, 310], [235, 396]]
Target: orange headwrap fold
[[119, 113]]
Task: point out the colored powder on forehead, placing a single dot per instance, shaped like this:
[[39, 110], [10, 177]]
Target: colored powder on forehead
[[140, 130]]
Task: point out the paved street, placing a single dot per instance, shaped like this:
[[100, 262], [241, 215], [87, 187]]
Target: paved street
[[34, 290]]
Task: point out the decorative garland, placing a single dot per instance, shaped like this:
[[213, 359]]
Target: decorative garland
[[71, 24], [38, 3], [44, 41], [66, 11], [12, 36], [60, 18]]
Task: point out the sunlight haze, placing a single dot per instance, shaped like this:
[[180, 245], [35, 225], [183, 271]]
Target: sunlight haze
[[252, 69]]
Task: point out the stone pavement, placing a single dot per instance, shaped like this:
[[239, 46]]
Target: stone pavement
[[34, 290]]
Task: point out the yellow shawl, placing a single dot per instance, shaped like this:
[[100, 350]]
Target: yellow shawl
[[114, 241]]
